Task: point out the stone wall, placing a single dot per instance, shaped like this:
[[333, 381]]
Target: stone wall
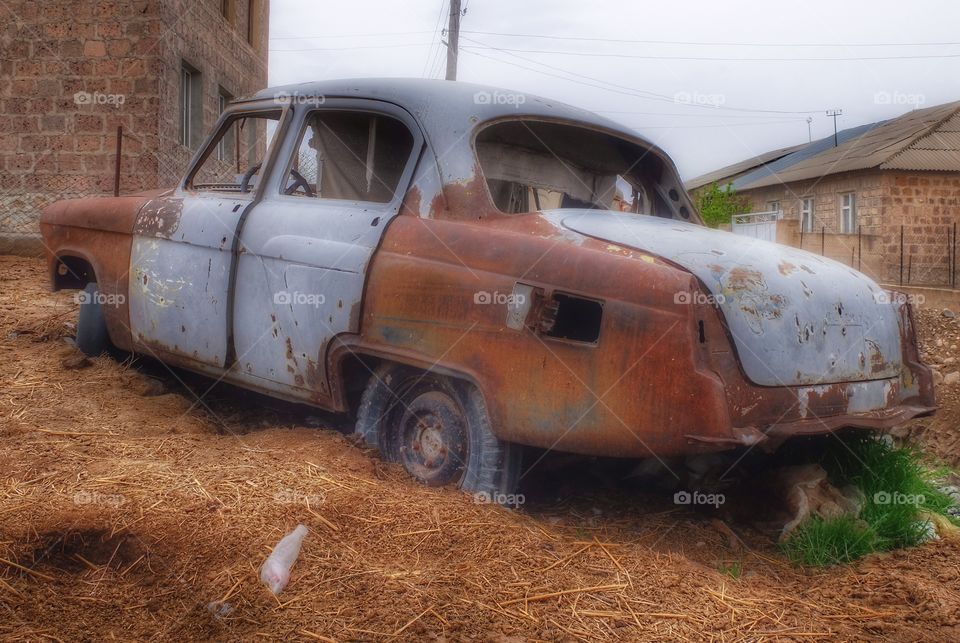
[[925, 204], [72, 71]]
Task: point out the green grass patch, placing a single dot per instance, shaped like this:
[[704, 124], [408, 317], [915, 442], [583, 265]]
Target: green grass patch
[[821, 542], [899, 487]]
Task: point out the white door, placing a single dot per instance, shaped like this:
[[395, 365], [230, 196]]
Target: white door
[[306, 245]]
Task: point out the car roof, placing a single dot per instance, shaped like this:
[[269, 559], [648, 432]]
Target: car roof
[[442, 103]]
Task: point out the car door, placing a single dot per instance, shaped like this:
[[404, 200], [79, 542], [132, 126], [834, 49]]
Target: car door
[[306, 245], [183, 248]]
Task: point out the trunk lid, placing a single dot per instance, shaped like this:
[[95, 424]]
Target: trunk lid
[[797, 319]]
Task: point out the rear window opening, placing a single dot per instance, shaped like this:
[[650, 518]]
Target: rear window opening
[[577, 319], [535, 165]]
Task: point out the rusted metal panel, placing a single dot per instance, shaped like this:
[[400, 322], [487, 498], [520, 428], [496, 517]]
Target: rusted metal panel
[[180, 268], [637, 391], [97, 230]]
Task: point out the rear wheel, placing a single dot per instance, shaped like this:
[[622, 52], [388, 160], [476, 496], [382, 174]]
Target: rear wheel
[[439, 430], [92, 337]]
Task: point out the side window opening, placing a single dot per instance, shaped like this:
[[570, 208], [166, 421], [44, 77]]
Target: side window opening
[[235, 157], [532, 165], [356, 156]]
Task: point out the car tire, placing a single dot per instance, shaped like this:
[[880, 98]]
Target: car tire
[[92, 337], [438, 428]]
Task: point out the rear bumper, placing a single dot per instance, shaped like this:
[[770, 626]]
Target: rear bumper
[[774, 434]]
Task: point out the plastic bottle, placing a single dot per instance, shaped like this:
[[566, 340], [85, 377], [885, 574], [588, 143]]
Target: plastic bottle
[[275, 572]]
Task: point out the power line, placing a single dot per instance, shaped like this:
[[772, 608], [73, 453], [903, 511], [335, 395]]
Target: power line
[[685, 115], [714, 125], [409, 44], [597, 54], [615, 88], [351, 35], [715, 44], [436, 39]]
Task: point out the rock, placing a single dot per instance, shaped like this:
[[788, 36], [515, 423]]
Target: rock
[[903, 431], [949, 314], [951, 378], [949, 360], [808, 493], [153, 388], [76, 362]]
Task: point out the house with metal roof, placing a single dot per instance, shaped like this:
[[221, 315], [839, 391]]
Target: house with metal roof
[[885, 198]]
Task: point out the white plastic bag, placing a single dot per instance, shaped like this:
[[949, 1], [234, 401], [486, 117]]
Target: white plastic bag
[[275, 572]]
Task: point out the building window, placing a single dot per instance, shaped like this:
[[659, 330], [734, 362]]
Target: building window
[[227, 10], [806, 214], [773, 206], [253, 24], [848, 213], [191, 106], [226, 145]]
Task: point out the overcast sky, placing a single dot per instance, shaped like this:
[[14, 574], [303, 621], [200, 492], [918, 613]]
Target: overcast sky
[[678, 72]]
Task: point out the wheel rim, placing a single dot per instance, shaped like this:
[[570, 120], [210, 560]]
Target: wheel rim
[[432, 434]]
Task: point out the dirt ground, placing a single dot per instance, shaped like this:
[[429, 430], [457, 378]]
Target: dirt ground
[[131, 509]]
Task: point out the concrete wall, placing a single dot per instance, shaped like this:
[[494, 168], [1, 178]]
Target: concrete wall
[[863, 252]]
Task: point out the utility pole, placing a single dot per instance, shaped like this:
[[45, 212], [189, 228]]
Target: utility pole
[[453, 39], [834, 113], [809, 131]]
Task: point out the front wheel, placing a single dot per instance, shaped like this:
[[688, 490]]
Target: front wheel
[[438, 428], [92, 337]]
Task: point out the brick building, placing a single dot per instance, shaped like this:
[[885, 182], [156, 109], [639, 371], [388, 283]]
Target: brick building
[[72, 71], [853, 201]]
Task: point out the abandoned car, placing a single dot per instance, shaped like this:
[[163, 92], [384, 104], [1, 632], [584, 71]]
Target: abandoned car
[[469, 270]]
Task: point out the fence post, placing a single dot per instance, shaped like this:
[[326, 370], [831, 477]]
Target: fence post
[[116, 168], [859, 247], [901, 254], [823, 233], [949, 255], [953, 259]]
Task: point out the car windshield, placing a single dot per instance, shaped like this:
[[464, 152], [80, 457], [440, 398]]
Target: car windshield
[[535, 165]]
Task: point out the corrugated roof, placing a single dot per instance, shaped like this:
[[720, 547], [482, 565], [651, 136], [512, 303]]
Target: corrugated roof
[[731, 171], [938, 150], [924, 139]]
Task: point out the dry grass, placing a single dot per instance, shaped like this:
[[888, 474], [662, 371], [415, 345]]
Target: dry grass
[[147, 517]]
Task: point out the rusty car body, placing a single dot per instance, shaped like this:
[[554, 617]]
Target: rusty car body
[[441, 259]]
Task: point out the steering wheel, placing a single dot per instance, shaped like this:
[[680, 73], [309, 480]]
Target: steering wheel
[[298, 182], [245, 181]]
